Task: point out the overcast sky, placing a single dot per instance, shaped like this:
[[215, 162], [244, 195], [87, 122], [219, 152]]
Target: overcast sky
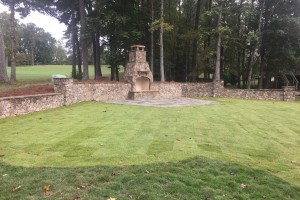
[[49, 24]]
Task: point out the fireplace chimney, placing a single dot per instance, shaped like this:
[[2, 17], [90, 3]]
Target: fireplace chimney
[[137, 71]]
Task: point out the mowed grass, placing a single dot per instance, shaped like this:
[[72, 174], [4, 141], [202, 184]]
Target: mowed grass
[[42, 74], [95, 151]]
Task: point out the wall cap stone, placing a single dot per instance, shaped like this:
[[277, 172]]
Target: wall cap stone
[[29, 96]]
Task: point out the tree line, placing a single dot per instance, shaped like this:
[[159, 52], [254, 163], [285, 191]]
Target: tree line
[[187, 40], [34, 45]]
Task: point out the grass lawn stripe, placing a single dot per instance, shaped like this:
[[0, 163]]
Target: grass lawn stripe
[[250, 133]]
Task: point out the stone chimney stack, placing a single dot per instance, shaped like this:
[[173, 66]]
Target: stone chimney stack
[[137, 71]]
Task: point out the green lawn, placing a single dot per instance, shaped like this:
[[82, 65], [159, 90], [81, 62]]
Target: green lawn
[[95, 151], [28, 75], [43, 73]]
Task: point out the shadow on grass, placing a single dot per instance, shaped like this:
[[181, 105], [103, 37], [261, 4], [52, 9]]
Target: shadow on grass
[[195, 178]]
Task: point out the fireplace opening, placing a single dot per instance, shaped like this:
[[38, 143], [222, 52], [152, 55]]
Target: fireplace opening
[[142, 84]]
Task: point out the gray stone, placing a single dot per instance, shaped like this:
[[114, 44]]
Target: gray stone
[[68, 93]]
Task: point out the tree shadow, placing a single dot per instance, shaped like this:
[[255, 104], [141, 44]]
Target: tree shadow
[[194, 178]]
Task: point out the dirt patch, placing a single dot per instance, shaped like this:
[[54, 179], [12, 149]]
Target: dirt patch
[[92, 81], [31, 90]]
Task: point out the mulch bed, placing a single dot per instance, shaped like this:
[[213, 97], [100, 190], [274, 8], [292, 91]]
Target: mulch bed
[[32, 90]]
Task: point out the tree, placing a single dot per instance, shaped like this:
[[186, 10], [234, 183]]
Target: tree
[[196, 28], [3, 72], [219, 40], [60, 55], [23, 7], [122, 27], [13, 76], [152, 38], [83, 39], [161, 43], [94, 19], [37, 44], [4, 18], [67, 12]]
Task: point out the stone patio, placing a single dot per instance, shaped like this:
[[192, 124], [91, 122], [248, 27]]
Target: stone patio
[[166, 103]]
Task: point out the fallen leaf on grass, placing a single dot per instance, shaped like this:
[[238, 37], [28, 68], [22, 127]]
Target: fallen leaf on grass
[[46, 187], [115, 173], [76, 198], [243, 185], [81, 187], [111, 198], [16, 188], [147, 172]]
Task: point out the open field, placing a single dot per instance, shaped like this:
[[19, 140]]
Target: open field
[[44, 72], [28, 75], [237, 149]]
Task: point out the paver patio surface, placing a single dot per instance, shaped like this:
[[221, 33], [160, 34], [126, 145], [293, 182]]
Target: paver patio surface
[[167, 103]]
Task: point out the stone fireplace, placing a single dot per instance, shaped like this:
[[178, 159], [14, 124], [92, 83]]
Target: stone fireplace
[[139, 75]]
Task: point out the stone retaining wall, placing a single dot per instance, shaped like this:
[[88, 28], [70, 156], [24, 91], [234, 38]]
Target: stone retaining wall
[[68, 93], [287, 93], [251, 94], [12, 106], [78, 92], [197, 89]]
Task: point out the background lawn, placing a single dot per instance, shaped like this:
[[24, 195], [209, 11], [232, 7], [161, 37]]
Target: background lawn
[[44, 72], [27, 75], [95, 151]]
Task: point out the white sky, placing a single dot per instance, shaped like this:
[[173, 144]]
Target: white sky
[[49, 24]]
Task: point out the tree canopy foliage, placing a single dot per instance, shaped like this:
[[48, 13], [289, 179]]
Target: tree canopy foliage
[[235, 40], [33, 45]]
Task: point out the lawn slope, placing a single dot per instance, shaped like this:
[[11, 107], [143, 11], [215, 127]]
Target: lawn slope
[[196, 148]]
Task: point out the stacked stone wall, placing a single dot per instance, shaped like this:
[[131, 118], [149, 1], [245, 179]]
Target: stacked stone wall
[[168, 90], [12, 106], [68, 93], [197, 89], [251, 94]]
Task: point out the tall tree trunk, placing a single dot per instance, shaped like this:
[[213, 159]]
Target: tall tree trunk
[[260, 41], [13, 76], [243, 68], [79, 61], [94, 52], [3, 72], [32, 52], [250, 65], [219, 41], [161, 42], [239, 67], [84, 44], [74, 39], [239, 48], [256, 45], [208, 42], [152, 39], [195, 42], [117, 73], [112, 70], [98, 73], [6, 61], [187, 61]]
